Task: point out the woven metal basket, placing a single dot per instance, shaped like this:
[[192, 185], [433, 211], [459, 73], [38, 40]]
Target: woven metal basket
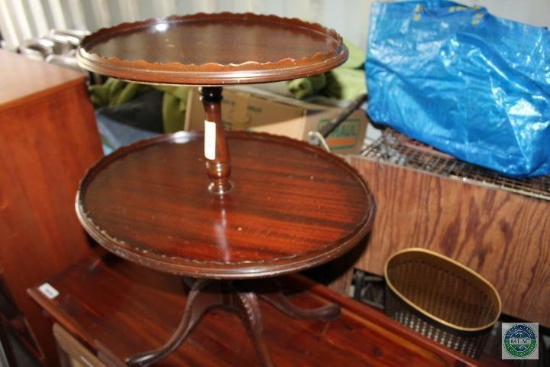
[[441, 299]]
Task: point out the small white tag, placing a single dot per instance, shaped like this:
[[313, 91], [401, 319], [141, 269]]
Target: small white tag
[[48, 291], [209, 140]]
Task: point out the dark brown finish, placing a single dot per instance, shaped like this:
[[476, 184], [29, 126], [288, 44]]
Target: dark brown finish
[[218, 163], [292, 206], [240, 297], [158, 211], [48, 138], [501, 235], [144, 205], [118, 309], [213, 49]]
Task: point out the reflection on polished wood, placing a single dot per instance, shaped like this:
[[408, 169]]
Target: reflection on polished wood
[[117, 309], [213, 49], [277, 206], [293, 206], [240, 297], [218, 165]]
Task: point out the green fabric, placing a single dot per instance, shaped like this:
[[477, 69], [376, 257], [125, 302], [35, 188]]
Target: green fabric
[[306, 87], [174, 104], [115, 92], [356, 58], [345, 82]]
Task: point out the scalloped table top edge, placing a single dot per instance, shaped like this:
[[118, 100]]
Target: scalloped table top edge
[[196, 49]]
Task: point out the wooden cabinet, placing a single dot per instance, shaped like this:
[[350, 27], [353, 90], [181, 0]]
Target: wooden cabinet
[[71, 352], [502, 235], [48, 138]]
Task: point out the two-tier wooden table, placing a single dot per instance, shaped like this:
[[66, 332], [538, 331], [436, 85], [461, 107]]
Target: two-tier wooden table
[[230, 210]]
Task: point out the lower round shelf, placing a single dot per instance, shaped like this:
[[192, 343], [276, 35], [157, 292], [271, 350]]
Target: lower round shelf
[[292, 206]]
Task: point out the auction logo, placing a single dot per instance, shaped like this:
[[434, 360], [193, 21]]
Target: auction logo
[[520, 341]]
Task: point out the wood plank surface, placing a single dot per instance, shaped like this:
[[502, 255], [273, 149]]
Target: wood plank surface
[[118, 308], [503, 236]]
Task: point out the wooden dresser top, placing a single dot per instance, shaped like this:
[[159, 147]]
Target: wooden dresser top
[[24, 79], [116, 309]]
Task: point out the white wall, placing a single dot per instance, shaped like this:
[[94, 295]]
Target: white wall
[[534, 12], [24, 19]]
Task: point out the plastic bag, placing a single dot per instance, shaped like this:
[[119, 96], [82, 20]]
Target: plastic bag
[[463, 81]]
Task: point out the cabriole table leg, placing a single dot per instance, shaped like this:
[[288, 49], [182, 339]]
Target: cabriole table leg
[[240, 297]]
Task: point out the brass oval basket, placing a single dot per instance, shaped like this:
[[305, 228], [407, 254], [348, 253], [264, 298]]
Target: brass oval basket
[[441, 299]]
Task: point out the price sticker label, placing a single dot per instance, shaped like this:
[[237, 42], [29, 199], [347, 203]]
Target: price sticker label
[[49, 291], [210, 140]]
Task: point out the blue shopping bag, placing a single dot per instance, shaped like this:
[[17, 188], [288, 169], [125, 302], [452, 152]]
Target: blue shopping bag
[[463, 81]]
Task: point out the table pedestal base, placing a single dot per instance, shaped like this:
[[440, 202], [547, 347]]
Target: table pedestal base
[[240, 297]]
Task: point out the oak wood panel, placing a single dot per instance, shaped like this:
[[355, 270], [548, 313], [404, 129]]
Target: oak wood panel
[[48, 138], [117, 309], [503, 236]]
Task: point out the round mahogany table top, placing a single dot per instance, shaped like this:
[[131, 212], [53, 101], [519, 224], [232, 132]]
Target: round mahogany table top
[[292, 206], [213, 49]]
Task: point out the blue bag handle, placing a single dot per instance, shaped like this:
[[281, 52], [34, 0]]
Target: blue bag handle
[[440, 9]]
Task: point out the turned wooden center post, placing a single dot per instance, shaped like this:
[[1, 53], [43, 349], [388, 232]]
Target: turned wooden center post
[[216, 151], [294, 49]]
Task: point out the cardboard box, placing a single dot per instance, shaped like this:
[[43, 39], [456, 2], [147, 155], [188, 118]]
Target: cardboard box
[[279, 115]]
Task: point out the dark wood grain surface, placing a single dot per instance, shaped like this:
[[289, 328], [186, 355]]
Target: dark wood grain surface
[[120, 308], [213, 49], [292, 206]]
